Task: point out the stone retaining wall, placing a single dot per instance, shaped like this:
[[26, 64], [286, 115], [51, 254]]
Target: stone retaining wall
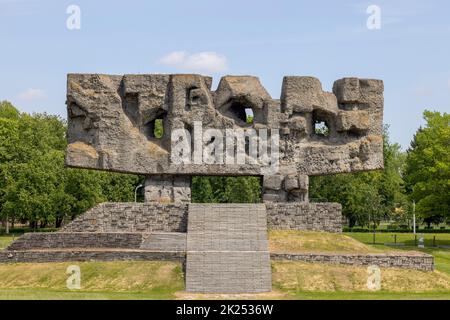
[[412, 260], [38, 256], [306, 216], [77, 240], [131, 217], [151, 217], [167, 241]]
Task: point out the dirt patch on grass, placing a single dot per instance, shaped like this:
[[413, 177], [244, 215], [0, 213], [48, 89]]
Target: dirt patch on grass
[[273, 295]]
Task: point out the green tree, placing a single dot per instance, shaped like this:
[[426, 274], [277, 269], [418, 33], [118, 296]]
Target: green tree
[[202, 191], [35, 186], [9, 139], [8, 111], [242, 190], [428, 168], [366, 195], [226, 189]]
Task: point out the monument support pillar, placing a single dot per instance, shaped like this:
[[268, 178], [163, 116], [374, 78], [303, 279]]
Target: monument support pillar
[[285, 188], [168, 189]]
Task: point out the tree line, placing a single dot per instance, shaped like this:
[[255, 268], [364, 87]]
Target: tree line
[[35, 186], [37, 189]]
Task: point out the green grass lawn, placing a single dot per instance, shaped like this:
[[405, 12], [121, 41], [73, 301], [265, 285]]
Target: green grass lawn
[[164, 280], [99, 280], [5, 241], [306, 241], [441, 255], [50, 294], [441, 239], [340, 282]]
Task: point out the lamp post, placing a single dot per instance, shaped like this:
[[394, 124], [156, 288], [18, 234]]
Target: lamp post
[[414, 217], [7, 215], [135, 192]]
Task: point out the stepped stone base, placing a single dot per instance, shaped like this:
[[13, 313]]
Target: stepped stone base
[[227, 249]]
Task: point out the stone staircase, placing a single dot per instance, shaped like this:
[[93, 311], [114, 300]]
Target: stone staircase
[[227, 249]]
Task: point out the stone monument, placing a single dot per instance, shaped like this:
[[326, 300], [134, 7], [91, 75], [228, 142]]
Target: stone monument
[[307, 132], [112, 120]]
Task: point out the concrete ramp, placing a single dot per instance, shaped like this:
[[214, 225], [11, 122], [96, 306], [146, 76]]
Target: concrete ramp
[[227, 249]]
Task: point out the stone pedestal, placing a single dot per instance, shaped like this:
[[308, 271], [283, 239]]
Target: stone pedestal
[[168, 189]]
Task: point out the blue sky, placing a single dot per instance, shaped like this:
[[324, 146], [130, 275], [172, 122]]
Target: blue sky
[[325, 39]]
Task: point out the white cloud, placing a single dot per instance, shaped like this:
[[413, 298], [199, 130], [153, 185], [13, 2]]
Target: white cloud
[[196, 62], [32, 94], [422, 92]]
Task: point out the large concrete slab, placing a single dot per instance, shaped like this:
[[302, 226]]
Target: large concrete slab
[[227, 249]]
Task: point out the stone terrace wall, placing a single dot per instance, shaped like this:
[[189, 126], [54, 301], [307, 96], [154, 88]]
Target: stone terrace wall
[[165, 241], [131, 217], [305, 216], [77, 240], [409, 260], [151, 217], [39, 256], [160, 241]]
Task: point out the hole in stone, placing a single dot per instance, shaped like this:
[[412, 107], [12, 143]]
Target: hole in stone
[[352, 133], [158, 130], [155, 128], [238, 110], [321, 128], [249, 115]]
